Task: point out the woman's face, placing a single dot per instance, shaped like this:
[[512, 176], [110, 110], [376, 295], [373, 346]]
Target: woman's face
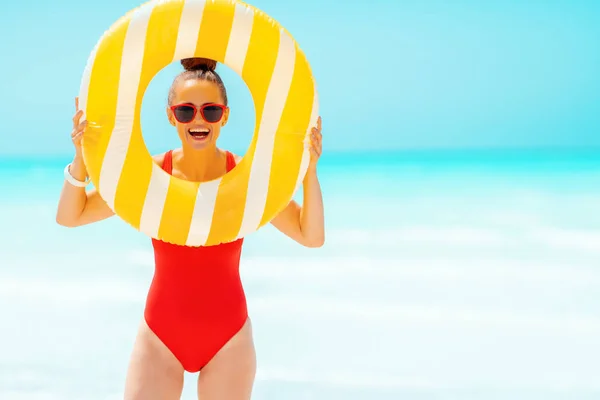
[[191, 95]]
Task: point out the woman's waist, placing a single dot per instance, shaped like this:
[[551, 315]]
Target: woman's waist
[[185, 296], [192, 281]]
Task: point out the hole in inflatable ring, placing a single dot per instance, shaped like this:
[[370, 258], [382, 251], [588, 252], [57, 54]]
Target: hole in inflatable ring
[[160, 136]]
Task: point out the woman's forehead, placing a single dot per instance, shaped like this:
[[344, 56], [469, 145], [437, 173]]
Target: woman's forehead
[[198, 92]]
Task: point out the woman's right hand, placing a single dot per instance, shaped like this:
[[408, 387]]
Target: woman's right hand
[[78, 206], [78, 129]]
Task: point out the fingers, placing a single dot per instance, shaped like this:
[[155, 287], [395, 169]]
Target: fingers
[[78, 131], [76, 138], [78, 126], [315, 142], [81, 127], [316, 137], [316, 134], [317, 130], [76, 118], [315, 151]]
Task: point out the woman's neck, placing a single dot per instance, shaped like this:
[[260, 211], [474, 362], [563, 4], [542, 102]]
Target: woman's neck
[[199, 165]]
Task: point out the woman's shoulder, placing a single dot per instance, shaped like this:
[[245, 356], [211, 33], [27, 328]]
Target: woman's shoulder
[[235, 156], [159, 158]]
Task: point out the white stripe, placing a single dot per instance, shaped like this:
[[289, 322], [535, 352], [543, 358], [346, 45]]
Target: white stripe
[[154, 203], [239, 38], [258, 185], [85, 81], [131, 69], [189, 29], [204, 208], [314, 116]]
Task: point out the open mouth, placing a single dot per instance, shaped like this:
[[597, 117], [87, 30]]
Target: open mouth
[[199, 133]]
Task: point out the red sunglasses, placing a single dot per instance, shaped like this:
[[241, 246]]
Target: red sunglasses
[[211, 112]]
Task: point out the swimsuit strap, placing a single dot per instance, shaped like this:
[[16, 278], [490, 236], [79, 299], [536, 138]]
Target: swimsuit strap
[[230, 161], [168, 162]]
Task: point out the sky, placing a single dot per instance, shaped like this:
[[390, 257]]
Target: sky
[[391, 74]]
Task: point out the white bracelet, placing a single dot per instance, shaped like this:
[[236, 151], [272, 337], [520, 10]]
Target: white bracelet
[[69, 178]]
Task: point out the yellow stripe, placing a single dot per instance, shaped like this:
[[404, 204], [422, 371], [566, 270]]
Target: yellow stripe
[[102, 97], [215, 30], [161, 38], [178, 211], [258, 68], [288, 149]]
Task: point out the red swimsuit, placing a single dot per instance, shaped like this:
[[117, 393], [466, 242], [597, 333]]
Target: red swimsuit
[[196, 302]]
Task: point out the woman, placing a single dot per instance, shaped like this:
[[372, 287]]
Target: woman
[[195, 317]]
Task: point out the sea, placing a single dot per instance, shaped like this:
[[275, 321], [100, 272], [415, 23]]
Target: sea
[[446, 275]]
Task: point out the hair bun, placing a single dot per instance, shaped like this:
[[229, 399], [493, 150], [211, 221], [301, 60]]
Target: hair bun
[[198, 63]]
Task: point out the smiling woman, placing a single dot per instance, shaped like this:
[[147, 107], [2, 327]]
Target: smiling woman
[[197, 202]]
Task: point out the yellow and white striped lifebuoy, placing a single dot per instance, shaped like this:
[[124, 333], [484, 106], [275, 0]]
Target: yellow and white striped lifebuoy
[[279, 78]]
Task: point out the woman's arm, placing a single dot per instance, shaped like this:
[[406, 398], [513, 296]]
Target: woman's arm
[[306, 224], [77, 207]]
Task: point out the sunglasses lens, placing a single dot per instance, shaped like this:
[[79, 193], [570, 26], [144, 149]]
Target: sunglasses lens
[[212, 114], [184, 114]]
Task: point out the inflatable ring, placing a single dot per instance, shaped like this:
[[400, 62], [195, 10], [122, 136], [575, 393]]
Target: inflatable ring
[[118, 71]]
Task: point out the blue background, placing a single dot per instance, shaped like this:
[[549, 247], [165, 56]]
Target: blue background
[[391, 74]]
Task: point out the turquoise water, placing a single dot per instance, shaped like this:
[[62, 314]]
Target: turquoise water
[[471, 275]]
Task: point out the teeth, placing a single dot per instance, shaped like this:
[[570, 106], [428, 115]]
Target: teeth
[[199, 130]]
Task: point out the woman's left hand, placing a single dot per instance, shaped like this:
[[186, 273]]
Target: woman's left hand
[[315, 145]]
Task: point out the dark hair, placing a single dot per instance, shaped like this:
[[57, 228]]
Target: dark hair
[[199, 68]]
